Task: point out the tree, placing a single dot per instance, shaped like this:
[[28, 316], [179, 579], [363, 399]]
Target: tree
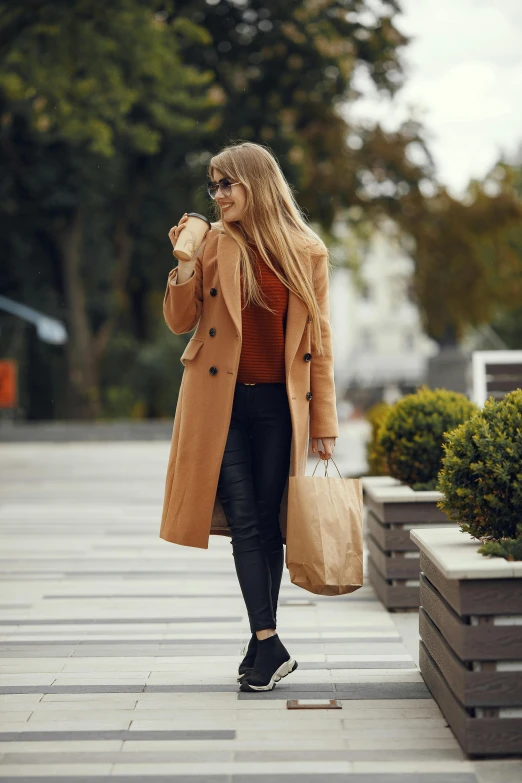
[[88, 95], [284, 72], [507, 316], [467, 253], [109, 115]]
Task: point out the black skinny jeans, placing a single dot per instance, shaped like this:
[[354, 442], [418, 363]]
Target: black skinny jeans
[[252, 480]]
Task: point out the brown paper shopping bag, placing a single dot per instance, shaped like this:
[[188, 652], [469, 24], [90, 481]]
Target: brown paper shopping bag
[[324, 540]]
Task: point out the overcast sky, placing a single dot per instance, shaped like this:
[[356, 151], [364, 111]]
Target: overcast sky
[[464, 68]]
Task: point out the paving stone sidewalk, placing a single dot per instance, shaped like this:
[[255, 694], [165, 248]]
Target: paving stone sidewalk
[[118, 651]]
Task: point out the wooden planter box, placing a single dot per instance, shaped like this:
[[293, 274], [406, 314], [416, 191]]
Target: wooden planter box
[[470, 623], [392, 510]]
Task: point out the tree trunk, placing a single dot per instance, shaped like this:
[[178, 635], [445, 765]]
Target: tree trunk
[[82, 398], [123, 244]]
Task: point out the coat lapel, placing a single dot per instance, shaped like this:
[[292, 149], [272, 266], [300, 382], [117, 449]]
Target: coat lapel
[[228, 270]]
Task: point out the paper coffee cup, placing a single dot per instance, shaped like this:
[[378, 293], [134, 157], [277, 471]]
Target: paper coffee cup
[[191, 236]]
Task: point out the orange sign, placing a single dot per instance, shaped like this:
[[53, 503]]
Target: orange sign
[[7, 383]]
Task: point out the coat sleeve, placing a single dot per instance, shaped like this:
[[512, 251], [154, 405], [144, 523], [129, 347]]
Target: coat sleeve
[[323, 408], [183, 302]]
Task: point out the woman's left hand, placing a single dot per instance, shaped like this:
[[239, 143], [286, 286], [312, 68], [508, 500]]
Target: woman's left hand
[[328, 446]]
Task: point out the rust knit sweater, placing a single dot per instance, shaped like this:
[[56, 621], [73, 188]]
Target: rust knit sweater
[[262, 357]]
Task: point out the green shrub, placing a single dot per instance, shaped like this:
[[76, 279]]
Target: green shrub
[[481, 475], [414, 431], [375, 456], [508, 548]]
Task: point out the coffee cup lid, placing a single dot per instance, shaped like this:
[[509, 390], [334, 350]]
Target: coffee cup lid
[[196, 214]]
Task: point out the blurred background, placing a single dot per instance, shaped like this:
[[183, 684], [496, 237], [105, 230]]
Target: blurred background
[[398, 124]]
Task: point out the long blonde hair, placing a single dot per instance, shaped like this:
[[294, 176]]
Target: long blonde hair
[[273, 222]]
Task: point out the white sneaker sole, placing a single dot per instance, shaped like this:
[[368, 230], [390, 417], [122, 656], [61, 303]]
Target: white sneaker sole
[[285, 669]]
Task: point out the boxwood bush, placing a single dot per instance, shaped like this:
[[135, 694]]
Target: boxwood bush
[[413, 434], [481, 476], [375, 456]]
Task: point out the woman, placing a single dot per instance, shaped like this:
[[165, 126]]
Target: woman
[[258, 380]]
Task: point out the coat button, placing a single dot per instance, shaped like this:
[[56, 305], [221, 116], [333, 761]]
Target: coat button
[[213, 292], [212, 332], [308, 395], [213, 370], [307, 357]]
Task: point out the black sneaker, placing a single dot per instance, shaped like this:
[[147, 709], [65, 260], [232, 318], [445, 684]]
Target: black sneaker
[[273, 662], [247, 664]]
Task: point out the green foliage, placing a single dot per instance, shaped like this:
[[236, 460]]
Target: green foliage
[[95, 75], [508, 548], [413, 434], [375, 456], [141, 378], [98, 114], [481, 476], [508, 325], [109, 113], [476, 244]]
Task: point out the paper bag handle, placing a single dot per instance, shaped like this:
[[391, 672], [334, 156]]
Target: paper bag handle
[[326, 467]]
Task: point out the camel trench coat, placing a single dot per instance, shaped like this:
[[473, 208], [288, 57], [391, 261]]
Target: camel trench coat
[[211, 301]]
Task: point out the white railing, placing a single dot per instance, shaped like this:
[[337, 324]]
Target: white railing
[[495, 373]]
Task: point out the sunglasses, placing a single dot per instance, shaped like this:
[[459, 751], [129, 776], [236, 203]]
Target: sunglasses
[[224, 184]]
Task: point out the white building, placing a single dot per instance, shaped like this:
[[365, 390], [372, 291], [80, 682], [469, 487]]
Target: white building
[[377, 331]]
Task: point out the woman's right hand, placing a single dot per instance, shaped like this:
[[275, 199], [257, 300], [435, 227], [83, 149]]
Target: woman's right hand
[[175, 231]]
